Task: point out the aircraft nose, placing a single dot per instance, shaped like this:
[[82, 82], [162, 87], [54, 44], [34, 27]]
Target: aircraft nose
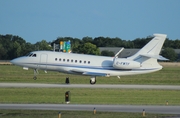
[[14, 61]]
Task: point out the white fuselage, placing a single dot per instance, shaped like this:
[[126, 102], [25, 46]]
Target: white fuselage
[[77, 64]]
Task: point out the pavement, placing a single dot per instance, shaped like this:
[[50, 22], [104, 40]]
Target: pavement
[[105, 108], [114, 86]]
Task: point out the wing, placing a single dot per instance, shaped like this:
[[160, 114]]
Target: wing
[[89, 73]]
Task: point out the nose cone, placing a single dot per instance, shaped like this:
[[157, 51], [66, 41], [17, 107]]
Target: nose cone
[[15, 61], [21, 61], [18, 61]]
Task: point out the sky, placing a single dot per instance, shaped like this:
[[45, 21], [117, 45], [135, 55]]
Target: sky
[[36, 20]]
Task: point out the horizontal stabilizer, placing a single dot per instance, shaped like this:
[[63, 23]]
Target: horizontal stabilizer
[[159, 57]]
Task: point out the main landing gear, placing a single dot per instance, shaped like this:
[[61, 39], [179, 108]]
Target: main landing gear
[[35, 74], [93, 80]]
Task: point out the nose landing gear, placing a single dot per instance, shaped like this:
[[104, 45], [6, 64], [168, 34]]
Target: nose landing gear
[[35, 74]]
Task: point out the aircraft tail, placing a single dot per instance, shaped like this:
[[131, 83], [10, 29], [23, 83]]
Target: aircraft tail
[[149, 54]]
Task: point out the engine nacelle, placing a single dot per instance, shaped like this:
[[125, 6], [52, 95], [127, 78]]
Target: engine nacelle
[[125, 64]]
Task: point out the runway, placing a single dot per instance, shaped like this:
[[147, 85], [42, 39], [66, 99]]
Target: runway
[[35, 85], [105, 108], [85, 107]]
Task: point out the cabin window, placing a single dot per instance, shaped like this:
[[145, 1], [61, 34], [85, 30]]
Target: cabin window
[[71, 60], [63, 59], [67, 60], [55, 59], [88, 62], [75, 61], [84, 61], [80, 61], [59, 59]]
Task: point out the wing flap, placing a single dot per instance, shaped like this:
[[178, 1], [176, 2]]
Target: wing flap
[[95, 74]]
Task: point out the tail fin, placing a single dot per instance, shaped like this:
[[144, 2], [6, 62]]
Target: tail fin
[[150, 52]]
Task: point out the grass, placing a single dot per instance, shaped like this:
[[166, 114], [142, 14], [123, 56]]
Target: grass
[[169, 75], [90, 96], [73, 114], [10, 73]]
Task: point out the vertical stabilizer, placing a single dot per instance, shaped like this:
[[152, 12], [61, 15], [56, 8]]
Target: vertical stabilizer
[[150, 52]]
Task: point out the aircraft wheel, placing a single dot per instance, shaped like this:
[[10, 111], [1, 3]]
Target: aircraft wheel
[[34, 77], [92, 80]]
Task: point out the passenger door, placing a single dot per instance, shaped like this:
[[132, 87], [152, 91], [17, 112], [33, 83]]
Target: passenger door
[[43, 62]]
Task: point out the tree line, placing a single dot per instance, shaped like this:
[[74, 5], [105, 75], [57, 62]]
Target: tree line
[[12, 46]]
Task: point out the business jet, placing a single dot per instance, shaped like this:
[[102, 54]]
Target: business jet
[[144, 61]]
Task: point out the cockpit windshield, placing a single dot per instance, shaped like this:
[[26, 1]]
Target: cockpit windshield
[[31, 55], [34, 55], [27, 54]]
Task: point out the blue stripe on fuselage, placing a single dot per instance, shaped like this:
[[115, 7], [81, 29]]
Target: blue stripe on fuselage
[[89, 67]]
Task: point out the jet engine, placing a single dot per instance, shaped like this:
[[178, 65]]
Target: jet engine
[[125, 64]]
